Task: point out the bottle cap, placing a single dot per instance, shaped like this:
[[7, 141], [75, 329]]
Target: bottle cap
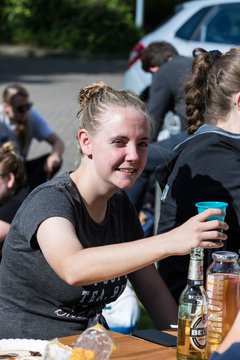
[[225, 256]]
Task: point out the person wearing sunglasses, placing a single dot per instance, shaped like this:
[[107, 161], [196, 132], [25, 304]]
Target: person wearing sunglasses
[[13, 187], [20, 123]]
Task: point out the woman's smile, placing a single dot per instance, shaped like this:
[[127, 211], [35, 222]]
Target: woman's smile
[[128, 170]]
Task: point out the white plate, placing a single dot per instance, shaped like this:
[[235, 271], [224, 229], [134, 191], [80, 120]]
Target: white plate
[[22, 347]]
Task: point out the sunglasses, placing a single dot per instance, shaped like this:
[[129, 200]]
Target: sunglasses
[[23, 108]]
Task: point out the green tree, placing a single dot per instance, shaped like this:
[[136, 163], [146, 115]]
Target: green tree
[[89, 26]]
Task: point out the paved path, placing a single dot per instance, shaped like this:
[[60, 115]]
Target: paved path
[[53, 84]]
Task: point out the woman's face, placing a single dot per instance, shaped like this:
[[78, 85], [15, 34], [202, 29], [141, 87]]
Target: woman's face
[[119, 150]]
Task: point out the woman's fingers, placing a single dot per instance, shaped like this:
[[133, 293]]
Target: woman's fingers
[[215, 224], [211, 244], [213, 235], [200, 231], [205, 215], [211, 232], [213, 239]]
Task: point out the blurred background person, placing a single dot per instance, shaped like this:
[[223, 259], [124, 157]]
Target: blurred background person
[[20, 123], [13, 187], [166, 102]]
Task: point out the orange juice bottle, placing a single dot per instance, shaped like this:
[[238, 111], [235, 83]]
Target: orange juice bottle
[[223, 286]]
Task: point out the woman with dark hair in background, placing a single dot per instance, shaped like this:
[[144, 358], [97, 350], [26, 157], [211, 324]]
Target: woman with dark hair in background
[[206, 166]]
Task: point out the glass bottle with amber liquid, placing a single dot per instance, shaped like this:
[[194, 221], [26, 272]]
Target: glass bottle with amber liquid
[[192, 312], [223, 291]]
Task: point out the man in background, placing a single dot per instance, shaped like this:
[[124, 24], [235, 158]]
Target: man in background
[[166, 105], [166, 93]]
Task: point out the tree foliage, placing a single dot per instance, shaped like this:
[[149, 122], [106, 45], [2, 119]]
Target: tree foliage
[[89, 26]]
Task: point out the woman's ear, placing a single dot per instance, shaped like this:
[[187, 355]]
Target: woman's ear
[[237, 101], [153, 69], [84, 141], [10, 180]]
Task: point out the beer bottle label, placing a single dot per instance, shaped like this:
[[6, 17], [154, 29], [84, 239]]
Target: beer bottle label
[[198, 332], [195, 271]]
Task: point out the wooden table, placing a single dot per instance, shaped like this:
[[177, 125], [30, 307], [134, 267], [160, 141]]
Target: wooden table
[[132, 348]]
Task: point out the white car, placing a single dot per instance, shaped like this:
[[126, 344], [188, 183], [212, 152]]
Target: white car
[[209, 24]]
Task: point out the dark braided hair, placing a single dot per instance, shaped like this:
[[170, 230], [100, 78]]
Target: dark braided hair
[[214, 80]]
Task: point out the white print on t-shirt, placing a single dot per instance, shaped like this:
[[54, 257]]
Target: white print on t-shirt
[[93, 296]]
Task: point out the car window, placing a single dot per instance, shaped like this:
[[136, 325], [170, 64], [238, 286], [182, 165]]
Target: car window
[[187, 30], [223, 26], [217, 24]]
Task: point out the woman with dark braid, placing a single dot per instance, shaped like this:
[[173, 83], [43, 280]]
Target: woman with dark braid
[[207, 165]]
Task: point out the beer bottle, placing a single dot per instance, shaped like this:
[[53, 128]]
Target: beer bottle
[[223, 289], [192, 312]]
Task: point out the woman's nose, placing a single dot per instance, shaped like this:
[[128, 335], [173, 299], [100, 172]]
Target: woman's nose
[[132, 153]]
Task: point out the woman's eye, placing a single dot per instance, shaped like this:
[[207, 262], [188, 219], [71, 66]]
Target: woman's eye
[[118, 142], [143, 144]]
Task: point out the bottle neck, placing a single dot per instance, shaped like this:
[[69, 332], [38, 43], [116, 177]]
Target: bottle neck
[[195, 271]]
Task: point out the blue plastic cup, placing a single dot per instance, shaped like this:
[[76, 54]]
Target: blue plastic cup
[[204, 205]]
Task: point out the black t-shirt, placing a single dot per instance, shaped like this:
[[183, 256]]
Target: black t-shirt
[[207, 168], [34, 301], [9, 208]]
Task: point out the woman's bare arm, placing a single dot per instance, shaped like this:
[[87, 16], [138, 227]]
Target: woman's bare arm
[[154, 295], [77, 266], [4, 229], [232, 337]]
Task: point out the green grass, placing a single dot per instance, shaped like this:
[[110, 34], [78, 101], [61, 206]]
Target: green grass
[[144, 322]]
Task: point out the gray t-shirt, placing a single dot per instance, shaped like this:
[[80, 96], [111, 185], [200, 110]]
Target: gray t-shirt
[[34, 301]]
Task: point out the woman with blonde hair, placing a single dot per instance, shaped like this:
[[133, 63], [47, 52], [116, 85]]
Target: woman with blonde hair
[[76, 238]]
